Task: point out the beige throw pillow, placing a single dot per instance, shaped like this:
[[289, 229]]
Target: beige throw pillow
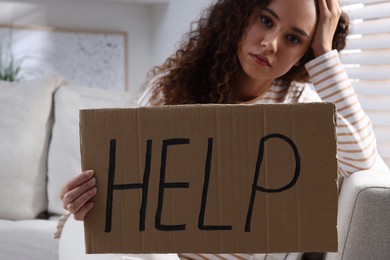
[[64, 152], [25, 128]]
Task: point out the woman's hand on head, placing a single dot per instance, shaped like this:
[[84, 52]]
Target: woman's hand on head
[[328, 19], [76, 194]]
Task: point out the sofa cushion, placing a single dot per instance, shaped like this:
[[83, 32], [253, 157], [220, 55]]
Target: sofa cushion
[[64, 151], [25, 127], [28, 239]]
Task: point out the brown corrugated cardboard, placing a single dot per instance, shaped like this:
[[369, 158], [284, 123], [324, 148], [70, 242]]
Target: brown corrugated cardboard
[[212, 179]]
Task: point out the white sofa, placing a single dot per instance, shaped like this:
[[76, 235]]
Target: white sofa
[[39, 151]]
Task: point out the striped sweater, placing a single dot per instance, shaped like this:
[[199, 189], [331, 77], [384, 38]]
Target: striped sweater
[[356, 145]]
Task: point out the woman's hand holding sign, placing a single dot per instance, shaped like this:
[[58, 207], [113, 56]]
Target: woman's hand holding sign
[[77, 193]]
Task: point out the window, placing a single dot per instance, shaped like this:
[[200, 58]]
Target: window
[[367, 61]]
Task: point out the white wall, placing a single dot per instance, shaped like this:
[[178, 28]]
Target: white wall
[[170, 22], [153, 30]]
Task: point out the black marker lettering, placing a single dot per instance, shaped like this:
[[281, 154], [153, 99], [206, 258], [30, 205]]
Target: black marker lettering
[[255, 187], [111, 187], [202, 212], [163, 185]]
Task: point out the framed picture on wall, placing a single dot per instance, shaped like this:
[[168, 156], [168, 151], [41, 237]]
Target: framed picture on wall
[[84, 58]]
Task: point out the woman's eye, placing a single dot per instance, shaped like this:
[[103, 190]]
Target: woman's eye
[[293, 39], [266, 21]]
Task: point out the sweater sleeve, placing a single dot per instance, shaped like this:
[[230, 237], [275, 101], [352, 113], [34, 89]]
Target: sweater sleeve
[[356, 144]]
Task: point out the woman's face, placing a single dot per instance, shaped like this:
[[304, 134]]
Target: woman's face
[[276, 38]]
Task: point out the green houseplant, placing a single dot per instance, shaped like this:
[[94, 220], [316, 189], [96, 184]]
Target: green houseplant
[[9, 66]]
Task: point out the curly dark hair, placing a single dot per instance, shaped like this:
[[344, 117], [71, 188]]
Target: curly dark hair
[[204, 67]]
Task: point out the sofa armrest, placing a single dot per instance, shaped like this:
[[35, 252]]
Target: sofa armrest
[[364, 215]]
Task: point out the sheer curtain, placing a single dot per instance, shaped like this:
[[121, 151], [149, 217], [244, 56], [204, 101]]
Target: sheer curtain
[[367, 61]]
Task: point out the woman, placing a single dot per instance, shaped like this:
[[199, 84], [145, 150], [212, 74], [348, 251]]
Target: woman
[[258, 51]]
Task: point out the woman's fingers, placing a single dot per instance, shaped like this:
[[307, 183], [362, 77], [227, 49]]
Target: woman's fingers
[[82, 212], [81, 201], [333, 5], [75, 182], [323, 5], [329, 5], [72, 195], [326, 27]]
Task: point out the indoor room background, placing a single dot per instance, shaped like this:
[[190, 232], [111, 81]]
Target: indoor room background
[[153, 28]]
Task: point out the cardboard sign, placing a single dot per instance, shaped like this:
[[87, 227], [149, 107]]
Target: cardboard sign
[[212, 179]]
